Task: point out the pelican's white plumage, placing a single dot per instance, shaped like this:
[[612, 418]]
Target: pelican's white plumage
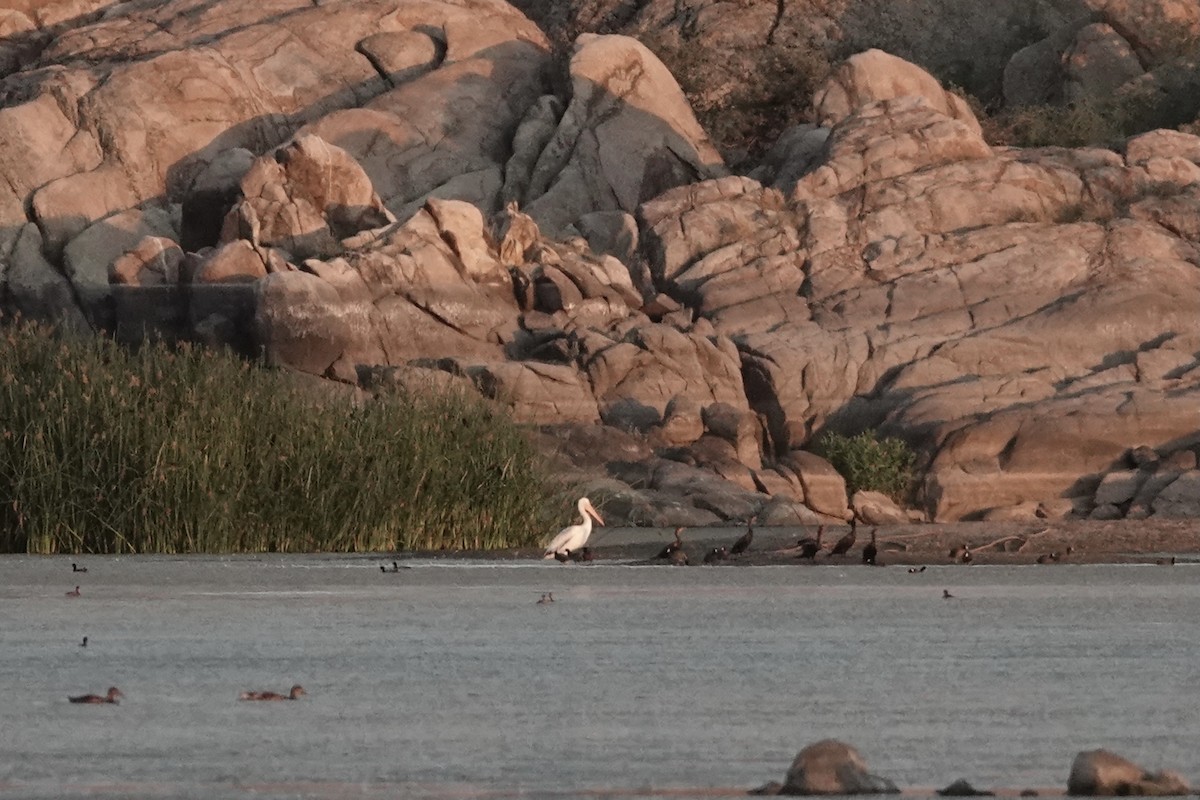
[[573, 537]]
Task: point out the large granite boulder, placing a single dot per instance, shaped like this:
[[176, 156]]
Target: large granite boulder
[[1100, 773], [627, 135], [335, 207], [830, 767]]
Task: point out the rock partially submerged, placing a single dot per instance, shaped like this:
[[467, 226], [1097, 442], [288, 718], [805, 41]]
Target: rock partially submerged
[[830, 767], [962, 788], [1101, 773]]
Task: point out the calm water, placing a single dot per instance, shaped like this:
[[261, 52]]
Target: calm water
[[449, 680]]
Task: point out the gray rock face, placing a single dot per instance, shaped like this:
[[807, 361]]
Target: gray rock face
[[830, 767], [1100, 773]]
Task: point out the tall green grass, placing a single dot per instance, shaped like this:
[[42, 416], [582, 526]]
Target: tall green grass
[[184, 450]]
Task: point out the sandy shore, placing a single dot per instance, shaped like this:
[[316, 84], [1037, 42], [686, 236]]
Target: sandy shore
[[1047, 543]]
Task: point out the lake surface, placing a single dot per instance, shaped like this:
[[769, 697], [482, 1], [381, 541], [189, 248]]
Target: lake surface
[[449, 680]]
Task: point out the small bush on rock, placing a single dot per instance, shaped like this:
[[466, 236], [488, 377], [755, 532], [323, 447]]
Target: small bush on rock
[[869, 462]]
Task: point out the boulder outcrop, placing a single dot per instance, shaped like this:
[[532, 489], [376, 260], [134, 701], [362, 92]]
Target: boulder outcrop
[[1100, 773], [412, 192], [830, 767]]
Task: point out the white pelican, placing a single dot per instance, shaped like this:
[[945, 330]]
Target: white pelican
[[574, 537]]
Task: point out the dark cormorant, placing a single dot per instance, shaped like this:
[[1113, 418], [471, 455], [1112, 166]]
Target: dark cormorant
[[583, 554], [743, 544], [870, 551], [946, 595], [678, 558], [810, 547], [846, 542], [562, 556], [77, 568]]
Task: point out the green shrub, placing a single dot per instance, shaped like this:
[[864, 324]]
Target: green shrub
[[869, 462], [174, 450]]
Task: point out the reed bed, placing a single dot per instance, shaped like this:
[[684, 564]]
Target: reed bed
[[178, 449]]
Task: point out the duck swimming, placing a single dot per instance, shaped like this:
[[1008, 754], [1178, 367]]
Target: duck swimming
[[296, 693], [74, 593], [94, 699], [77, 568]]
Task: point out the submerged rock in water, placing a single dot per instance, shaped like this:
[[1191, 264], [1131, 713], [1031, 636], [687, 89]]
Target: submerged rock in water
[[961, 788]]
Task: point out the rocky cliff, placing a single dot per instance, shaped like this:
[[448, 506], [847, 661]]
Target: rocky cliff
[[381, 190]]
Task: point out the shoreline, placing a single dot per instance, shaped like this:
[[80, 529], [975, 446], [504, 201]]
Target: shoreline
[[997, 543]]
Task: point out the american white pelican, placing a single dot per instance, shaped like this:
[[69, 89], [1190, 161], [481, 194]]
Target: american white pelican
[[574, 537]]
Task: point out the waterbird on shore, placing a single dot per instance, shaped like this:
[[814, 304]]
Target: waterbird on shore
[[846, 542], [77, 568], [74, 592], [583, 555], [1047, 558], [915, 570], [810, 547], [94, 699], [871, 550], [715, 555], [562, 556], [296, 693], [574, 537], [946, 595], [678, 558], [743, 543], [673, 546], [1166, 562]]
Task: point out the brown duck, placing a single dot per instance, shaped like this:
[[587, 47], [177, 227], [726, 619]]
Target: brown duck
[[96, 699], [296, 693], [670, 549]]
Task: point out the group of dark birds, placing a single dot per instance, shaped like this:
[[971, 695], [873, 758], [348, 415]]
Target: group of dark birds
[[807, 547], [113, 695]]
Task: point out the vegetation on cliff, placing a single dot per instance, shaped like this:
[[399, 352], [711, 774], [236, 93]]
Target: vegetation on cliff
[[183, 450], [868, 461]]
